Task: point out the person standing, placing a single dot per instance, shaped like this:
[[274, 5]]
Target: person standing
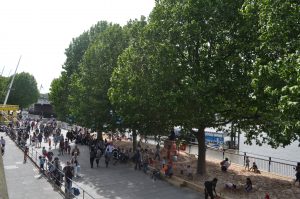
[[2, 142], [42, 162], [61, 147], [137, 159], [49, 143], [75, 164], [69, 173], [247, 161], [145, 161], [40, 139], [157, 152]]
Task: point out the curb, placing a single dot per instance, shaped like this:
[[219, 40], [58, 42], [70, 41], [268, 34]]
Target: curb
[[179, 182]]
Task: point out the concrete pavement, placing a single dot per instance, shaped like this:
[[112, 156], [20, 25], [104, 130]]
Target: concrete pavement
[[122, 181], [23, 180]]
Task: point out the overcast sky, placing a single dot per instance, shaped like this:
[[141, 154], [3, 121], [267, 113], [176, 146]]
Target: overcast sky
[[41, 30]]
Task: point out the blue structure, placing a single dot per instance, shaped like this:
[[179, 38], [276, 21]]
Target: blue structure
[[214, 137]]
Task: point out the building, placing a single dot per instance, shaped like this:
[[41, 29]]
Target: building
[[42, 107]]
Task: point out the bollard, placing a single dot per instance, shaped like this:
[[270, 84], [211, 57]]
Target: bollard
[[83, 194], [270, 164], [35, 156], [190, 146], [245, 155]]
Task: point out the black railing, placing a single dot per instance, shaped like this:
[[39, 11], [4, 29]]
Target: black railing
[[55, 177], [268, 164]]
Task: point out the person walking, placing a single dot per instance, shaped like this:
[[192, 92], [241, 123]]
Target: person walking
[[92, 157], [25, 154], [98, 156], [108, 153]]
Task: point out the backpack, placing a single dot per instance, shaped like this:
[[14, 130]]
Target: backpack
[[75, 191], [69, 173], [98, 155]]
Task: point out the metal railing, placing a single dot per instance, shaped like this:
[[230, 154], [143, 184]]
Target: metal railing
[[267, 164], [55, 177]]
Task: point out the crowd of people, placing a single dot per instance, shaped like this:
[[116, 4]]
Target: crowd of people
[[36, 132]]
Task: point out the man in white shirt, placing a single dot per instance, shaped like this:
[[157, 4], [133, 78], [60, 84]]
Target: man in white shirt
[[225, 164], [108, 153]]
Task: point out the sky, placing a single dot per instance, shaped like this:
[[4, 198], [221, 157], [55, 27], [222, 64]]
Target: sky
[[41, 30]]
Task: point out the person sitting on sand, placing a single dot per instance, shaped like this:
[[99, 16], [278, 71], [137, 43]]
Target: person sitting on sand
[[224, 165], [230, 186], [254, 168], [248, 186], [169, 170], [189, 172]]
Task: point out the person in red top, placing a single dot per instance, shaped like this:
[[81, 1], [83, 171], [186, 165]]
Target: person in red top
[[267, 196]]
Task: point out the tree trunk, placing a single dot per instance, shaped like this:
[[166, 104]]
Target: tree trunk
[[201, 166], [99, 135], [134, 140]]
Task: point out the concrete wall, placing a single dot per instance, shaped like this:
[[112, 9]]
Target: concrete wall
[[3, 188]]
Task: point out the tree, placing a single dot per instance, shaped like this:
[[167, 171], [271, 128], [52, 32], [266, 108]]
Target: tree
[[3, 88], [74, 54], [24, 91], [90, 104], [276, 67], [130, 92], [191, 66], [57, 95]]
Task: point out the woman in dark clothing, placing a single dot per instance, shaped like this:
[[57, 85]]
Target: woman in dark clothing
[[92, 157]]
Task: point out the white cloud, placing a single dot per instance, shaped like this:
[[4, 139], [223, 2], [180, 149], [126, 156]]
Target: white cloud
[[40, 31]]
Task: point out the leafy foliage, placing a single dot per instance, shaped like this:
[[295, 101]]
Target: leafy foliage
[[275, 78], [24, 91], [196, 64]]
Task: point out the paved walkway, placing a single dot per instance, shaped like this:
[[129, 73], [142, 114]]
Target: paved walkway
[[122, 181], [23, 180]]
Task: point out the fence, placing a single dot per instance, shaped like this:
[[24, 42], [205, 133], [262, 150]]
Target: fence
[[55, 176], [268, 164]]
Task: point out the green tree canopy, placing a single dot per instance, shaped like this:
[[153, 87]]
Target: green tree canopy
[[276, 64], [3, 88], [187, 68], [74, 54], [24, 91], [90, 104]]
